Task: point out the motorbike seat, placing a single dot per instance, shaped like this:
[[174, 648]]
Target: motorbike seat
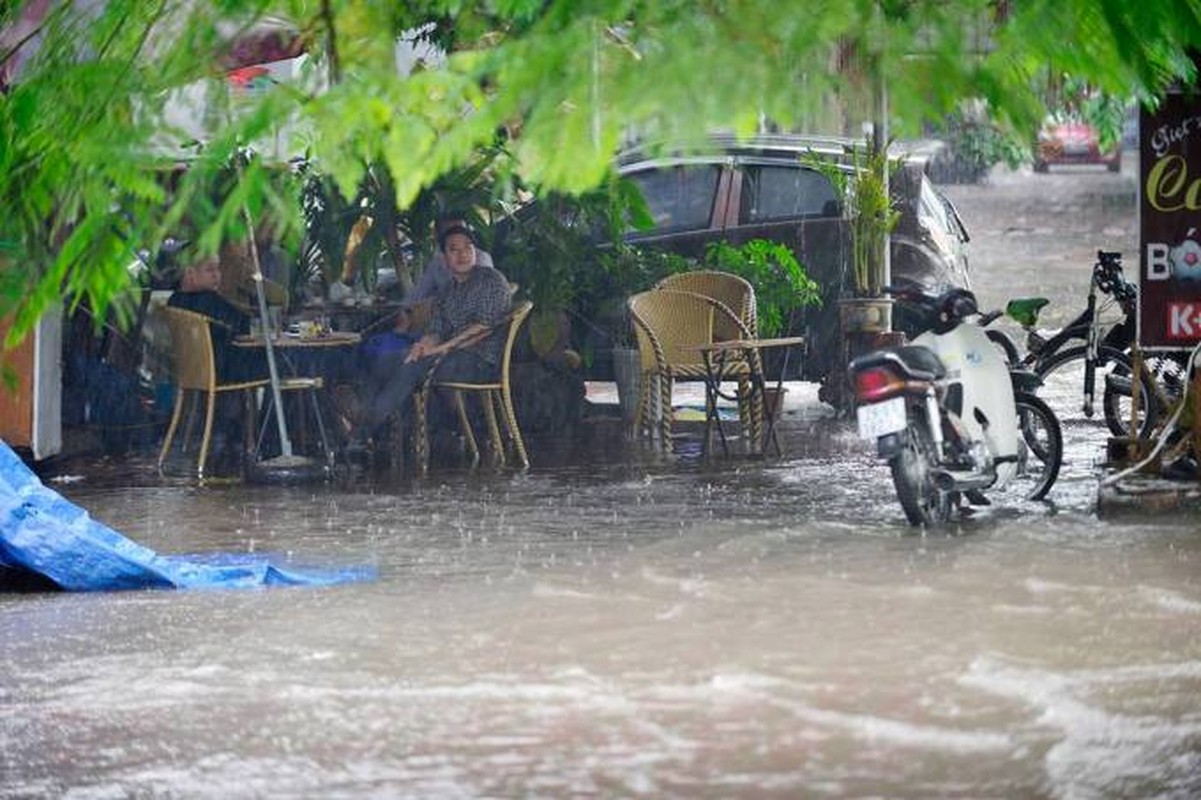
[[922, 360], [916, 361]]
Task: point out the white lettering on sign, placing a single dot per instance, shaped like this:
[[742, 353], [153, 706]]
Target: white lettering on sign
[[1159, 267], [1163, 137], [1184, 320]]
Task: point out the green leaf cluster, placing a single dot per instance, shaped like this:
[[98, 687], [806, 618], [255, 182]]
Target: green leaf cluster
[[782, 286], [88, 154]]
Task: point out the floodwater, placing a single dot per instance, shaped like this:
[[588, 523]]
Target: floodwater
[[622, 625]]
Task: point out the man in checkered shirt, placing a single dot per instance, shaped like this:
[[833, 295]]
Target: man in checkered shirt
[[460, 343]]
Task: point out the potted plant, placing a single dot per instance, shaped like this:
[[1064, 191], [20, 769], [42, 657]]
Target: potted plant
[[869, 209], [541, 251]]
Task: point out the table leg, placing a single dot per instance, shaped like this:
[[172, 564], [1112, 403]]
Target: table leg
[[712, 395], [771, 415]]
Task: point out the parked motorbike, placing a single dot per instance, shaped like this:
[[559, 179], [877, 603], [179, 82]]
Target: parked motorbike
[[950, 416]]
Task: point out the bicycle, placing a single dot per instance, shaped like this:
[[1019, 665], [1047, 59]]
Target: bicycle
[[1091, 352]]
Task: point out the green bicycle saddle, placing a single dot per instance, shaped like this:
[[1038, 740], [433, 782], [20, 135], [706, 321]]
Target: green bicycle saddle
[[1025, 310]]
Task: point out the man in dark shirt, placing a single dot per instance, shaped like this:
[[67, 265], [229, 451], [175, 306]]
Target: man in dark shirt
[[198, 292], [460, 343]]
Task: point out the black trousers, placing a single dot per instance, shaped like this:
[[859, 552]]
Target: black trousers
[[458, 365]]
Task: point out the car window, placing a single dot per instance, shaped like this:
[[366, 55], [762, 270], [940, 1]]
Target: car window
[[679, 198], [783, 192]]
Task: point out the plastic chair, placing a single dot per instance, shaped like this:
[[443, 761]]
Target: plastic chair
[[669, 325], [735, 292], [195, 374], [494, 395]]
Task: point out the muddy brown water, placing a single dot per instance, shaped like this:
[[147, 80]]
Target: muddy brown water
[[623, 625]]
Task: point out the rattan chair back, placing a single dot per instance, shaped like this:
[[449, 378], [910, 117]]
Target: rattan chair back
[[734, 291]]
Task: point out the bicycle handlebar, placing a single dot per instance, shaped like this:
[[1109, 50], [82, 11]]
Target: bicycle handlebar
[[1108, 278]]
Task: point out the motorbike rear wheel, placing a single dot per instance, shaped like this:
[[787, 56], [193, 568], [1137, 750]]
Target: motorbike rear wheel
[[924, 503]]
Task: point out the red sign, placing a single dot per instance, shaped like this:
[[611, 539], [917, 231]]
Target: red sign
[[1169, 308]]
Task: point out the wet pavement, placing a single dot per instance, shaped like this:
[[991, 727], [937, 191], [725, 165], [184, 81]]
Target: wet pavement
[[618, 623]]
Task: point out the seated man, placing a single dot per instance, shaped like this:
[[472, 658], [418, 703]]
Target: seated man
[[436, 275], [197, 292], [459, 343]]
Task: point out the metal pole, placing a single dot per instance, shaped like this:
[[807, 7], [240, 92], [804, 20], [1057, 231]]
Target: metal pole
[[285, 444], [880, 144]]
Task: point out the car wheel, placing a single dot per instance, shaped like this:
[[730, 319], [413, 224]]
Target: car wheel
[[1115, 165], [1040, 166]]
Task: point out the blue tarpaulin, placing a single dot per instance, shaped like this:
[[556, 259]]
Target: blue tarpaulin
[[43, 533]]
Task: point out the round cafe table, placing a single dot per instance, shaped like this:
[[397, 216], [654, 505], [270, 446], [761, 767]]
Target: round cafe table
[[318, 359]]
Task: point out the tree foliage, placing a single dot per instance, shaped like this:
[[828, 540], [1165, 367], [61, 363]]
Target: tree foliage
[[86, 153]]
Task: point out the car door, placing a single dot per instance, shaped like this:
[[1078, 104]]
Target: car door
[[787, 202], [686, 199]]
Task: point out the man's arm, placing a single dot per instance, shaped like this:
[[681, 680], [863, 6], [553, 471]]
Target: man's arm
[[425, 346], [466, 337]]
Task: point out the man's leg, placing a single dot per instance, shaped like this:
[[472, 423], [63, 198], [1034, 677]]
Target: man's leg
[[465, 366], [396, 393]]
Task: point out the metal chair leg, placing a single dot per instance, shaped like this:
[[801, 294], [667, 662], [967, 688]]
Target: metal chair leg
[[210, 407], [494, 440], [325, 446], [665, 412]]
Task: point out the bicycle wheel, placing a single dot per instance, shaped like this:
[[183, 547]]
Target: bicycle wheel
[[1167, 372], [1063, 390], [1040, 453]]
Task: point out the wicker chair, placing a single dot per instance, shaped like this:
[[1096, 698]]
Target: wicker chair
[[195, 373], [494, 395], [736, 293], [667, 324]]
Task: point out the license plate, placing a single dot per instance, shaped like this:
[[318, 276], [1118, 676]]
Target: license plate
[[880, 419]]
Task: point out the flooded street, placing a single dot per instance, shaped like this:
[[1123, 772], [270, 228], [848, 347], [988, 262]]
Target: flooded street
[[634, 626]]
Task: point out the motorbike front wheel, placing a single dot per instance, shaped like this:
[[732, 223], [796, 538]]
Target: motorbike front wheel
[[924, 503], [1040, 451]]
